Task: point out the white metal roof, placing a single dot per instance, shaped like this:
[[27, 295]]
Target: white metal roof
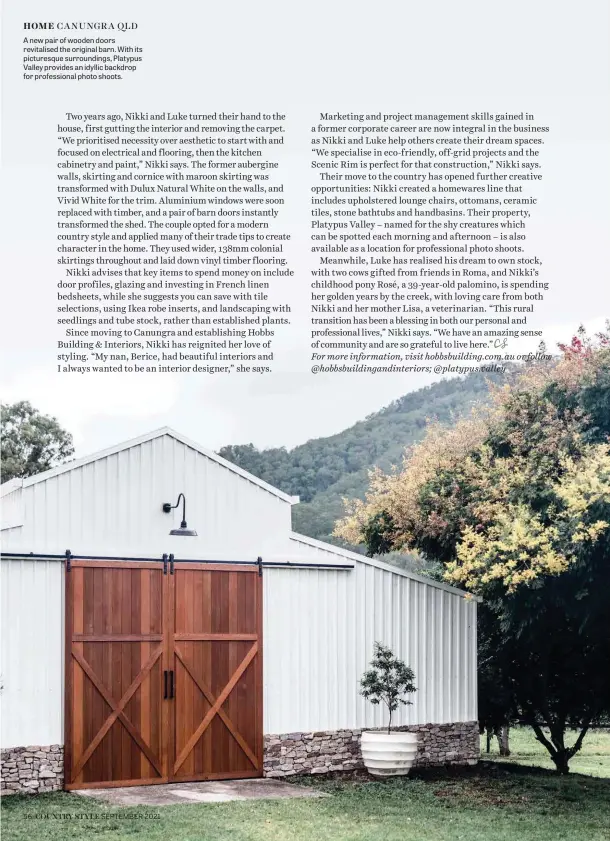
[[294, 538], [364, 559], [10, 486], [15, 484]]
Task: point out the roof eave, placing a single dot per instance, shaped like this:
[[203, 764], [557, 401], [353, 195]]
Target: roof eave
[[364, 559]]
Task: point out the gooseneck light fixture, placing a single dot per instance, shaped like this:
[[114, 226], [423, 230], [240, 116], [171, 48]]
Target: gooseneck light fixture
[[183, 531]]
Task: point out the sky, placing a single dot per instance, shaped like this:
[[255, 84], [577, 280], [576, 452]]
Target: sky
[[546, 58]]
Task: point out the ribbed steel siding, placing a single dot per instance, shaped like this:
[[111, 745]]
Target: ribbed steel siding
[[31, 700], [11, 509], [113, 506], [319, 631]]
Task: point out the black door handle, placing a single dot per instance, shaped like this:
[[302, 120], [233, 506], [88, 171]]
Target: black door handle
[[165, 684], [171, 684]]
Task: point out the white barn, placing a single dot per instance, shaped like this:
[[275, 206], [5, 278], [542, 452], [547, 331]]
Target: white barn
[[130, 655]]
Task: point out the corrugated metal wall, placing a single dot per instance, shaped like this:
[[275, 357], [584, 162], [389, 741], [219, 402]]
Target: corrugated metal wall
[[319, 625], [113, 506], [319, 630], [31, 664]]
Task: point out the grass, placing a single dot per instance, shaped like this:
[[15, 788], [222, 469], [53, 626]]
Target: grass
[[593, 759], [505, 801]]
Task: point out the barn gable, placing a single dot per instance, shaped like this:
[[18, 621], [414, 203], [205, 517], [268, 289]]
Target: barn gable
[[111, 502], [319, 609]]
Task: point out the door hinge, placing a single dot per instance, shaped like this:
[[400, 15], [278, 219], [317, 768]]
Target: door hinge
[[171, 564], [164, 563], [68, 560], [259, 563]]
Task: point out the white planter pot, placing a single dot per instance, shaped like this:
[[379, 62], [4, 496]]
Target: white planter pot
[[388, 754]]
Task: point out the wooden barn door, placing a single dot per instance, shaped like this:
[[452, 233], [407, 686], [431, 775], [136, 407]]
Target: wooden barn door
[[163, 673], [116, 652], [216, 660]]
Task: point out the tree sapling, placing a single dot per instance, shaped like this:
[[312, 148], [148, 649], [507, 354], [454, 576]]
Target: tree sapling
[[388, 681]]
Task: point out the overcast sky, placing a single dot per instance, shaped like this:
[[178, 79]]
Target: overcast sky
[[546, 58]]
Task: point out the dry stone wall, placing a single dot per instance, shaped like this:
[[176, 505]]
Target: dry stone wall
[[34, 769], [321, 752]]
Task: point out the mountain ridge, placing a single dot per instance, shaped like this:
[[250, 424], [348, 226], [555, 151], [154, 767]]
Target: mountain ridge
[[322, 471]]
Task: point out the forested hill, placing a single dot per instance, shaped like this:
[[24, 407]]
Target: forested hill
[[324, 470]]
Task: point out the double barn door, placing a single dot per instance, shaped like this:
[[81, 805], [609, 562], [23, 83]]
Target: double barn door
[[163, 673]]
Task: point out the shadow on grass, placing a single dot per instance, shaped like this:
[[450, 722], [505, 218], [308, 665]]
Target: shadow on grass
[[519, 790], [464, 780]]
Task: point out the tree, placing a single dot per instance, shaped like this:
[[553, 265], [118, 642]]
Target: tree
[[497, 706], [388, 681], [31, 442], [514, 501]]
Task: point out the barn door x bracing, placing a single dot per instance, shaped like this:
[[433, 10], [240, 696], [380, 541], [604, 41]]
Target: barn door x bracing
[[163, 673]]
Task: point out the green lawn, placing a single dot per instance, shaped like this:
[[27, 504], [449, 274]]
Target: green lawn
[[593, 759], [497, 801]]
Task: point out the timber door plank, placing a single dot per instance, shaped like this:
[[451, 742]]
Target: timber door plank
[[170, 621], [144, 653]]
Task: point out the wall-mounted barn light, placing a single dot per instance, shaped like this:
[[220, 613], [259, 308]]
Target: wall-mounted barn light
[[183, 531]]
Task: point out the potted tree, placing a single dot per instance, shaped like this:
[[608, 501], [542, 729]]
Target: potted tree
[[388, 681]]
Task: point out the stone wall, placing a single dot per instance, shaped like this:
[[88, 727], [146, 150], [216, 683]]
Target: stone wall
[[321, 752], [32, 769], [29, 770]]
